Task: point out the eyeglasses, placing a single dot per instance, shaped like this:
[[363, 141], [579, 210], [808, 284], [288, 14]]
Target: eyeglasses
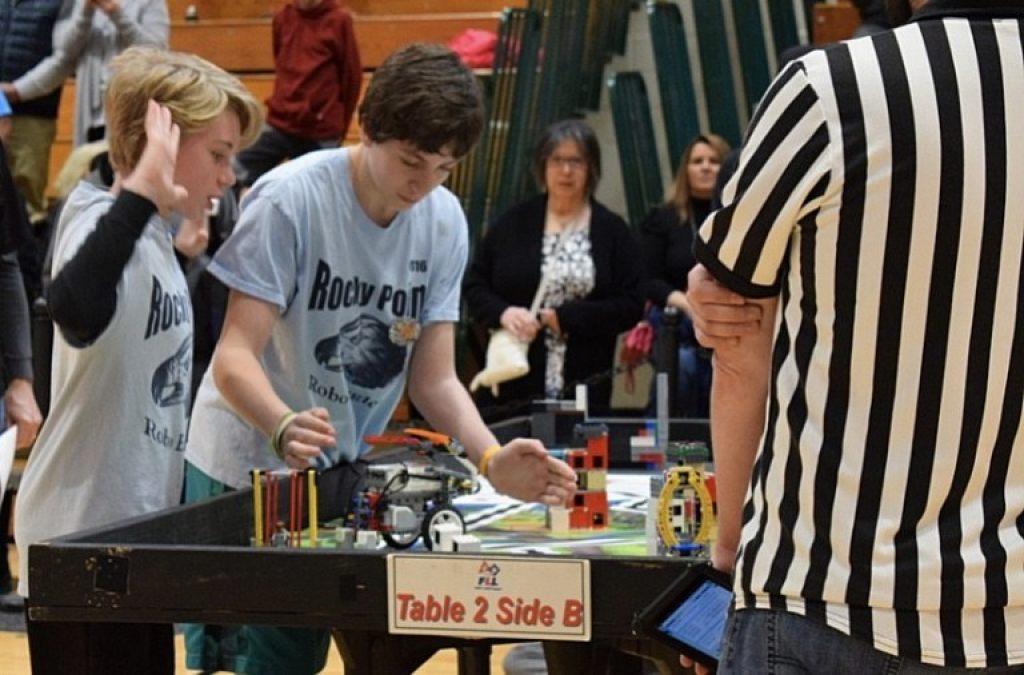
[[571, 163]]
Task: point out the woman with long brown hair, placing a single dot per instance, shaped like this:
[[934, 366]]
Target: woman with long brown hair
[[666, 241]]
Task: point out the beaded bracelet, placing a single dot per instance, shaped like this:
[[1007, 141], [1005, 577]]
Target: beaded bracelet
[[282, 424], [485, 458]]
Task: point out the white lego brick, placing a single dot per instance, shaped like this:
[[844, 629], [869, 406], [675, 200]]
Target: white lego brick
[[651, 536], [558, 519], [367, 540], [443, 533], [344, 537], [465, 542]]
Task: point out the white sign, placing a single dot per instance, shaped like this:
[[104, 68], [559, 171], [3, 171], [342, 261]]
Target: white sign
[[480, 596]]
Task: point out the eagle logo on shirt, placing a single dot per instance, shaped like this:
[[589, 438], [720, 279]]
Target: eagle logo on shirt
[[173, 378], [362, 349]]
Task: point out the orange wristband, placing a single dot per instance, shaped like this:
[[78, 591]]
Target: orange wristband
[[485, 458]]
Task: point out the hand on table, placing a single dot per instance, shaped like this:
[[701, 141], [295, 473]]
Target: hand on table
[[523, 469]]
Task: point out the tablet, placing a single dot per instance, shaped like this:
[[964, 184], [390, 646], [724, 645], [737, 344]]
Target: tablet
[[689, 616]]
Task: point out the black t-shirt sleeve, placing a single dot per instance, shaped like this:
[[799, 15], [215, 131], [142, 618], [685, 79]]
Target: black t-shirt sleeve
[[83, 296]]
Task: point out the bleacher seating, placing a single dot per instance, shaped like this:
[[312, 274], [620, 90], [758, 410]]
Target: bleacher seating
[[500, 162], [548, 57], [236, 36], [724, 94]]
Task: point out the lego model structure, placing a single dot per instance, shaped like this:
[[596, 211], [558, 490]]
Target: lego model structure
[[589, 509], [269, 529], [683, 502]]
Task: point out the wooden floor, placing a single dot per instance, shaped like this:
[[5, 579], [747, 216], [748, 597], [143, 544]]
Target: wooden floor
[[14, 659], [14, 654]]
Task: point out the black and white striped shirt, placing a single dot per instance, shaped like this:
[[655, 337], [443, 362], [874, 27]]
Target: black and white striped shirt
[[880, 194]]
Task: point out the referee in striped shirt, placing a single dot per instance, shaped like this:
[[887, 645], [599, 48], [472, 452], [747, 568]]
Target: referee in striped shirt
[[868, 398]]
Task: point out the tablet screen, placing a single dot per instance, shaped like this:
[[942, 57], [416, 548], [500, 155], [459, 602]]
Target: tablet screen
[[700, 619]]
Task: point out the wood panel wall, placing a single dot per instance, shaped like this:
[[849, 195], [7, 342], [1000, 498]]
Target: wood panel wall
[[261, 9], [244, 45], [834, 22]]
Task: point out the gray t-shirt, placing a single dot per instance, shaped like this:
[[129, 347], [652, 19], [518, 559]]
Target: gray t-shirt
[[352, 295], [112, 444]]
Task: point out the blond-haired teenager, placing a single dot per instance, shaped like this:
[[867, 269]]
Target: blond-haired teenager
[[113, 443]]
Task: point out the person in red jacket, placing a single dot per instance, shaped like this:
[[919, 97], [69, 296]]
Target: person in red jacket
[[318, 75]]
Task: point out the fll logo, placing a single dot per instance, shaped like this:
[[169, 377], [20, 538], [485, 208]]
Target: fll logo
[[487, 576]]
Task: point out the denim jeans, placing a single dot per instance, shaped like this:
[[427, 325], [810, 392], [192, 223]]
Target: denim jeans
[[774, 642]]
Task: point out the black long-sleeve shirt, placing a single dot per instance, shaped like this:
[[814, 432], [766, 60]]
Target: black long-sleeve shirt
[[83, 295], [667, 248]]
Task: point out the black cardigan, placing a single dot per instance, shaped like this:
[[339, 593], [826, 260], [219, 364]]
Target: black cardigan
[[506, 271]]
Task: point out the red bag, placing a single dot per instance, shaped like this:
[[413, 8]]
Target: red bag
[[475, 47], [636, 350]]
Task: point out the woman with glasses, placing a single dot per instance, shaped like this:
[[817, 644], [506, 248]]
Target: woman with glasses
[[592, 290], [666, 239]]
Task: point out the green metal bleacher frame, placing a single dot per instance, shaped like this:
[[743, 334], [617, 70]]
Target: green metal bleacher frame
[[638, 153], [723, 94], [714, 60], [679, 95], [756, 45], [548, 55]]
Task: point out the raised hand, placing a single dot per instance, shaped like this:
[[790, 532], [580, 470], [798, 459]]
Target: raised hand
[[153, 176]]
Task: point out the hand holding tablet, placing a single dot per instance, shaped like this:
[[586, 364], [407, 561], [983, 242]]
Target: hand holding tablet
[[690, 615]]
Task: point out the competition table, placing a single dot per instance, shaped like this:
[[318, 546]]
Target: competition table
[[194, 564]]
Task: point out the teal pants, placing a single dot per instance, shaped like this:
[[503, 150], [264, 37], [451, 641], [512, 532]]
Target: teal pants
[[253, 650]]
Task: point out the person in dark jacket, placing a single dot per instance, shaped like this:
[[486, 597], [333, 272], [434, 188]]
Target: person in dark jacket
[[32, 84], [317, 78], [593, 292], [18, 405], [666, 240]]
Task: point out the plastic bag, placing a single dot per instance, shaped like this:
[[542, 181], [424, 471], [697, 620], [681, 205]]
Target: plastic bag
[[506, 360]]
